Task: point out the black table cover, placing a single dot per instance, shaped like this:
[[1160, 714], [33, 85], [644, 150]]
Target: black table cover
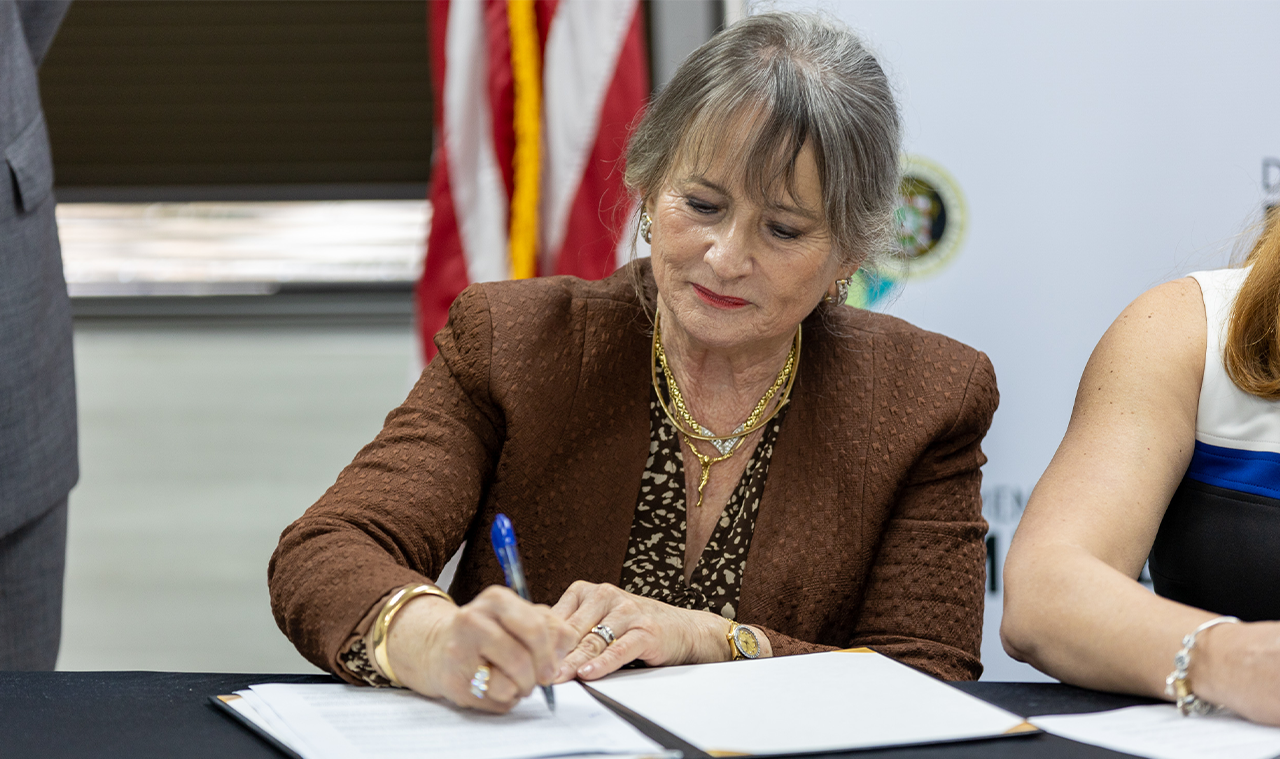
[[141, 715]]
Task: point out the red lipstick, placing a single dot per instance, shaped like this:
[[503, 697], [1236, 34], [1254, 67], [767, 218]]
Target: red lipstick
[[718, 300]]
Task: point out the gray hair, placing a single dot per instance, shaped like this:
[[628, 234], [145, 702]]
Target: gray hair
[[802, 79]]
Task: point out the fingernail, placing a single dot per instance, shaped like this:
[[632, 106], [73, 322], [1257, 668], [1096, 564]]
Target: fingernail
[[586, 669]]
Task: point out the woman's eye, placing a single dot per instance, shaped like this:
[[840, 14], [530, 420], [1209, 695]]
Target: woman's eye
[[701, 206], [783, 233]]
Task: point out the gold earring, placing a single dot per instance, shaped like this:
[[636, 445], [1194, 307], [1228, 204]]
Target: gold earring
[[646, 227], [842, 292]]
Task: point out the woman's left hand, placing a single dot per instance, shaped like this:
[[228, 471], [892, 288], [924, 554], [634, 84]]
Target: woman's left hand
[[643, 628]]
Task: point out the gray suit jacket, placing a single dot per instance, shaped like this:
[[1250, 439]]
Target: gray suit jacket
[[38, 464]]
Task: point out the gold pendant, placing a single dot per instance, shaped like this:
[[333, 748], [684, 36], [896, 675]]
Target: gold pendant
[[703, 476]]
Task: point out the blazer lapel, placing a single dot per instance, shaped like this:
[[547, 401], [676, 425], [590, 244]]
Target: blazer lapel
[[601, 454], [809, 524]]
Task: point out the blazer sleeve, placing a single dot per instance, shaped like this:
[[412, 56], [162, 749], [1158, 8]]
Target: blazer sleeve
[[924, 600], [401, 509]]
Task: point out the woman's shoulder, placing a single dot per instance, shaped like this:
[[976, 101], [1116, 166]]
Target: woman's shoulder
[[946, 375], [1168, 315], [557, 292], [1151, 358], [545, 305], [857, 327]]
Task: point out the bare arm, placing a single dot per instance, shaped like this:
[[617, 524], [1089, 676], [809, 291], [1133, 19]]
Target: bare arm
[[1073, 607]]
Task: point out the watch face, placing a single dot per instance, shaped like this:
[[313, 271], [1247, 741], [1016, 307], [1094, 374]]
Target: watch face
[[746, 641]]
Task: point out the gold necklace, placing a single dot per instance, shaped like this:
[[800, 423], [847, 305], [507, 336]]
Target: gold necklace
[[685, 424]]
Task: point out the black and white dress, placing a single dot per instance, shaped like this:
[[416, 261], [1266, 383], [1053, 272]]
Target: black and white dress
[[1218, 543], [654, 566]]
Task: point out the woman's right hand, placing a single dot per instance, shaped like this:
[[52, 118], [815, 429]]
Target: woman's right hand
[[435, 648], [1238, 666]]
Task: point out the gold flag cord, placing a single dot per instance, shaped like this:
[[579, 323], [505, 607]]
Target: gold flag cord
[[526, 75]]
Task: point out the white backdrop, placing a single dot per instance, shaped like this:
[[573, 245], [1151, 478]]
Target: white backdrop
[[1103, 148]]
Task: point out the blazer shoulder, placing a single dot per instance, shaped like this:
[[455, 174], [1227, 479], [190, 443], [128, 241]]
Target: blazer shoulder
[[953, 373], [548, 316], [552, 292], [901, 336]]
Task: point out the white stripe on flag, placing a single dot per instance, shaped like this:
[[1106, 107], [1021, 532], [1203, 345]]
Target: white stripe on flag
[[582, 50], [476, 186]]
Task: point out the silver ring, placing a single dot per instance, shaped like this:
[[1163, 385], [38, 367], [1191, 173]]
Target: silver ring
[[604, 632], [480, 681]]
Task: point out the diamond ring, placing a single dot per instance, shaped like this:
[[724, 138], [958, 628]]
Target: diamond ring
[[604, 632], [480, 681]]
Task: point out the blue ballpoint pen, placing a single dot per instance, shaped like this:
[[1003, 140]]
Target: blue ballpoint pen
[[503, 537]]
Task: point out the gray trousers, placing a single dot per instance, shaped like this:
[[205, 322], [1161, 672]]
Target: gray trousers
[[32, 560]]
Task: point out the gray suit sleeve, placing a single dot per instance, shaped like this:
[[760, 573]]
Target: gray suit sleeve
[[40, 22]]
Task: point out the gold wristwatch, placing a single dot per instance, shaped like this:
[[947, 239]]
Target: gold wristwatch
[[743, 643]]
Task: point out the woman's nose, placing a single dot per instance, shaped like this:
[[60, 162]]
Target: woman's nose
[[729, 254]]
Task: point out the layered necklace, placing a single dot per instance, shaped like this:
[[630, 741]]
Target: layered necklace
[[691, 430]]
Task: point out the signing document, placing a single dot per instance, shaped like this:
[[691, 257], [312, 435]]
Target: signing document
[[834, 701], [1159, 732], [323, 721]]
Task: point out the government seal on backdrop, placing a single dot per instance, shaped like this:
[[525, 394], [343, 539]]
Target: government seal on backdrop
[[929, 222]]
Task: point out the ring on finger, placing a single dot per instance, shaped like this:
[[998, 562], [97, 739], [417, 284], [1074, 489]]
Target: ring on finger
[[480, 681], [604, 632]]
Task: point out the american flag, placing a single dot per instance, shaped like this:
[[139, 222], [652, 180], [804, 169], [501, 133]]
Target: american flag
[[534, 100]]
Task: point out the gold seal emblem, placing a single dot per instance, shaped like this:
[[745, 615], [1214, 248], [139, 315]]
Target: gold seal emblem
[[930, 222]]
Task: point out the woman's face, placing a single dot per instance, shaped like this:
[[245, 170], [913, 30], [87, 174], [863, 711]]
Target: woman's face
[[732, 273]]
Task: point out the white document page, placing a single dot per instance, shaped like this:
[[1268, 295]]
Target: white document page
[[816, 702], [346, 721], [1159, 732], [249, 706]]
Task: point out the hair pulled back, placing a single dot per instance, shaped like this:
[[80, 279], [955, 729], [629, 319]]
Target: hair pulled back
[[797, 79]]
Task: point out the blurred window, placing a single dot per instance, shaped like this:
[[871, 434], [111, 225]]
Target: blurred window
[[244, 248], [228, 147], [249, 92]]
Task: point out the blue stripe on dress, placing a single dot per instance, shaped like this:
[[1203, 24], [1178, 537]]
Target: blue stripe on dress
[[1256, 472]]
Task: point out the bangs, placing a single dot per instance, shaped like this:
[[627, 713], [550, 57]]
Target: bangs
[[750, 100], [775, 121]]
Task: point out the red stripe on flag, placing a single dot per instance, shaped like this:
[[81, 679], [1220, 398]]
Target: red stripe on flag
[[600, 205], [545, 10], [599, 211], [444, 273]]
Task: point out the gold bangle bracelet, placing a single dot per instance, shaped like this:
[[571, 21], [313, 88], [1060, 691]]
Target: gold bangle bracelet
[[382, 625]]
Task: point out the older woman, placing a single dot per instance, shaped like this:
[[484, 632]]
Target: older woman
[[706, 456]]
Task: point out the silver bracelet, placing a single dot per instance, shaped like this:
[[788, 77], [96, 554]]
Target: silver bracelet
[[1177, 685]]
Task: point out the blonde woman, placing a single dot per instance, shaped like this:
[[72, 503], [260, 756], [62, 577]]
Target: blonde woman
[[1173, 452]]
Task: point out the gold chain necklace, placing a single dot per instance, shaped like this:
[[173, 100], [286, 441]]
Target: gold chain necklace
[[686, 425]]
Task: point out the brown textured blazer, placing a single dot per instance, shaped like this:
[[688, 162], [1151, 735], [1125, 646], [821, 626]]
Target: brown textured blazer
[[869, 532]]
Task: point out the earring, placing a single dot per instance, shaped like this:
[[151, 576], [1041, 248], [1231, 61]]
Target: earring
[[646, 227], [842, 292]]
